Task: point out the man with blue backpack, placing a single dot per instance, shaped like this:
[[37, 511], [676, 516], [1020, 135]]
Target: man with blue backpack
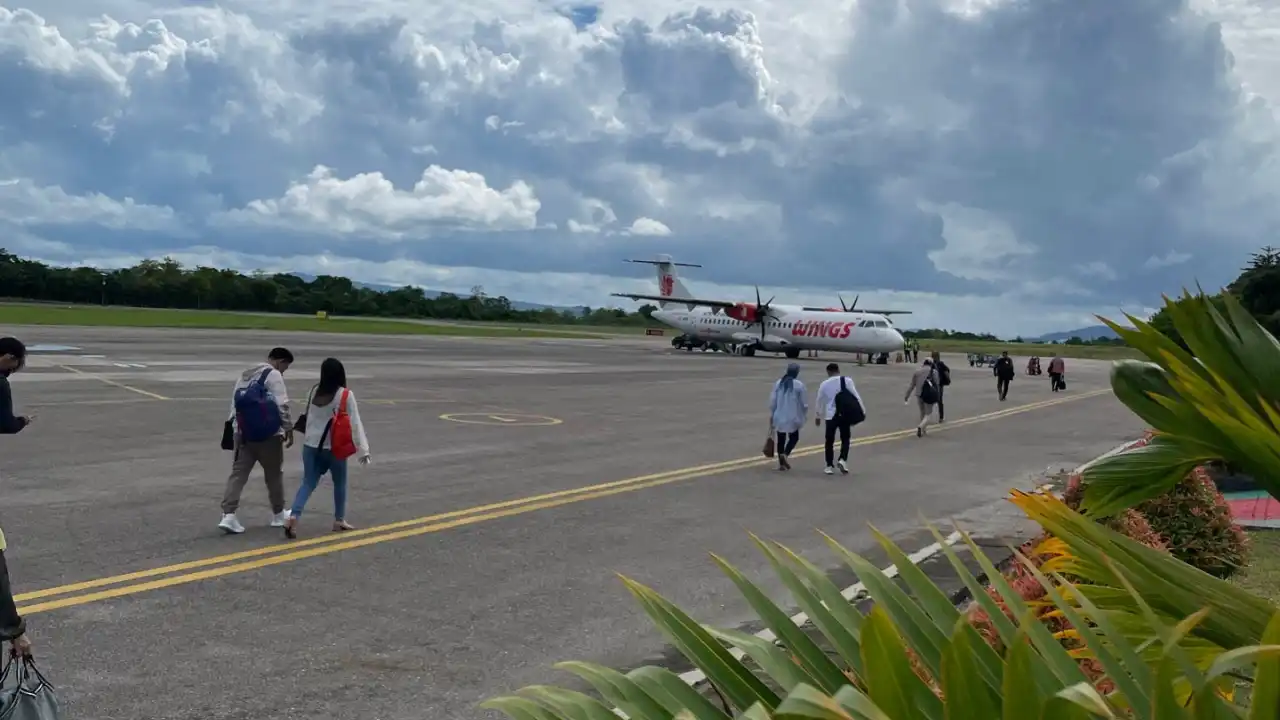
[[258, 431]]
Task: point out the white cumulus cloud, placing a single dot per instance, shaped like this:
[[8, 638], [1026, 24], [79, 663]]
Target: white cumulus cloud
[[369, 204], [648, 226]]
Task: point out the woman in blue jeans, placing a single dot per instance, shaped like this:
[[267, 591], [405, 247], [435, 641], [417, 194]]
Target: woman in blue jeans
[[317, 454]]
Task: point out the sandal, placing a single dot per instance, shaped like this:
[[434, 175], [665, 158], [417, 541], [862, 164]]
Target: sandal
[[290, 527], [342, 526]]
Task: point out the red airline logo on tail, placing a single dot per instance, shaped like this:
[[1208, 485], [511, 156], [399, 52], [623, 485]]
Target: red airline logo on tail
[[666, 285]]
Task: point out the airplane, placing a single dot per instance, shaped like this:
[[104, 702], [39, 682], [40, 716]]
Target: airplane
[[763, 326]]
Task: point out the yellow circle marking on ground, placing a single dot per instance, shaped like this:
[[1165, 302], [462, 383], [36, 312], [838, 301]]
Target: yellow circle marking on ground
[[508, 419]]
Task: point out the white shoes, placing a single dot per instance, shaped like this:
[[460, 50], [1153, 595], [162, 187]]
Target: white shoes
[[844, 467], [230, 524], [829, 470]]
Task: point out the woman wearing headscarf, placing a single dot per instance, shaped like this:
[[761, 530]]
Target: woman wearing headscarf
[[788, 408]]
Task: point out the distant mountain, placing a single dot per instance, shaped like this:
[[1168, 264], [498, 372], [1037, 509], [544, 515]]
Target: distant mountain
[[1093, 332], [378, 287]]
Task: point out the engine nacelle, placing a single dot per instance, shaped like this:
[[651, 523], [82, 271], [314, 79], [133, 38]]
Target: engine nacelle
[[745, 312]]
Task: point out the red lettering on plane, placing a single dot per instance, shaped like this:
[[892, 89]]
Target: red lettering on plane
[[666, 285], [812, 328]]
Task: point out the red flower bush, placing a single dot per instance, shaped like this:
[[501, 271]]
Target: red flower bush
[[1195, 522], [1192, 521]]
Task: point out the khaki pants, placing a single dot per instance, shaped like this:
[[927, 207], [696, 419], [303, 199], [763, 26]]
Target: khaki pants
[[926, 412], [269, 454]]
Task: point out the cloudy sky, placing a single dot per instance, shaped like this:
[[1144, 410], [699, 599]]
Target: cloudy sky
[[1003, 165]]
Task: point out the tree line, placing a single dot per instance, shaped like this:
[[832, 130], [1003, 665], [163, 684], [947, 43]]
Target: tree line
[[1257, 288], [167, 284], [936, 334]]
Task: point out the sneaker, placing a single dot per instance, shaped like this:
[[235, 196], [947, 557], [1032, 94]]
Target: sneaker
[[844, 466], [279, 518], [230, 524], [830, 470]]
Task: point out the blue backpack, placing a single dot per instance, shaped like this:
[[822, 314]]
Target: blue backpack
[[257, 415]]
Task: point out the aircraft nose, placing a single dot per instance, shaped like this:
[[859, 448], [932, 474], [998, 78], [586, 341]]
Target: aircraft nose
[[897, 338]]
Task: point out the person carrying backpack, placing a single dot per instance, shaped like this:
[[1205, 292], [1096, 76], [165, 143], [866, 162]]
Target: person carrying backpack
[[258, 431], [927, 391], [839, 404], [332, 433], [944, 379]]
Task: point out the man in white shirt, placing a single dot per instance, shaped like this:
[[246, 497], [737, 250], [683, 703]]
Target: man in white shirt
[[828, 409], [268, 452]]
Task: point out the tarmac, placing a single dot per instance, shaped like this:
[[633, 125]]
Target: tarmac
[[512, 481]]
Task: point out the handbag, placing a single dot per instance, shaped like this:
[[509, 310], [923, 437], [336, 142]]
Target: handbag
[[31, 698], [768, 448], [300, 425], [228, 436]]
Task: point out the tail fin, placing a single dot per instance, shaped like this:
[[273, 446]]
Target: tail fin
[[669, 284]]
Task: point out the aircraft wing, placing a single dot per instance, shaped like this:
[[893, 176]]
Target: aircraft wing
[[680, 301], [859, 310]]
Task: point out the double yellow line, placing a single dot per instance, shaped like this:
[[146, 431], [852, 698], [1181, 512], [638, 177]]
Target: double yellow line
[[89, 591]]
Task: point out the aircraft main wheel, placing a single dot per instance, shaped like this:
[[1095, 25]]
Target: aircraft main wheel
[[792, 353], [749, 351]]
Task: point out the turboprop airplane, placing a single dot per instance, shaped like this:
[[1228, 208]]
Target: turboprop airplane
[[788, 329]]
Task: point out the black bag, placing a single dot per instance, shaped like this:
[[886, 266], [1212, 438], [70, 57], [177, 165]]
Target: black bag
[[944, 373], [848, 408], [928, 390], [228, 436], [300, 425]]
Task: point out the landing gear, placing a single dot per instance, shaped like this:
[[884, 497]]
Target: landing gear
[[792, 353], [746, 350]]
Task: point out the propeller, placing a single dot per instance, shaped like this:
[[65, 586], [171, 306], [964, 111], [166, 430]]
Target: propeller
[[848, 308], [762, 312]]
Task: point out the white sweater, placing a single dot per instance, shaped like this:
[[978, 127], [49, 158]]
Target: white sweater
[[318, 418]]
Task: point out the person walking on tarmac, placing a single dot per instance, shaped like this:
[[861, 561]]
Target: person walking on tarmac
[[840, 405], [13, 628], [944, 379], [788, 408], [1057, 368], [1004, 371], [926, 390]]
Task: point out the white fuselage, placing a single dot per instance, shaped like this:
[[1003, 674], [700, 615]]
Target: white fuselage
[[790, 327]]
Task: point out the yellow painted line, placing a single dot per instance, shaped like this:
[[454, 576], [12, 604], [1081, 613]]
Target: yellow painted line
[[113, 383], [314, 547]]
